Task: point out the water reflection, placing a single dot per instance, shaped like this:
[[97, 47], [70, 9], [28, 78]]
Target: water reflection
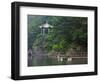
[[47, 61]]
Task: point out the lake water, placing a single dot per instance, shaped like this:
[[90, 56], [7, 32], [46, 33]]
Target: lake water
[[47, 61]]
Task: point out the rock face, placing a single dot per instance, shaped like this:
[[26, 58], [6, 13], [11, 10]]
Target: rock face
[[30, 57]]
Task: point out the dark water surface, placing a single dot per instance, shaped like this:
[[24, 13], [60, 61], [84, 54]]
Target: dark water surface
[[47, 61]]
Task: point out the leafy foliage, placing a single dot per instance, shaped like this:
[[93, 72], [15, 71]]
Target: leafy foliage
[[67, 32]]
